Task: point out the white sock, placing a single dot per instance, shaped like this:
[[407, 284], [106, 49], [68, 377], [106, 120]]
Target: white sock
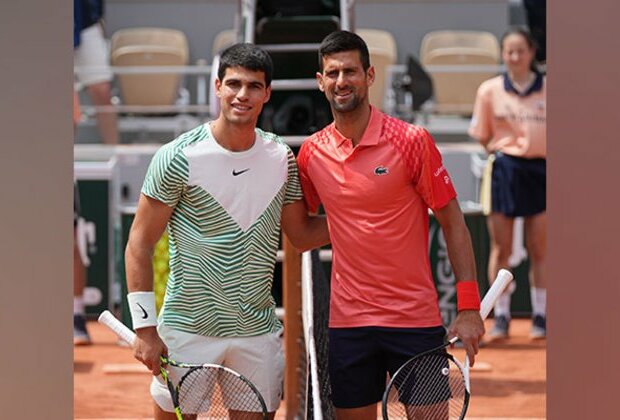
[[502, 306], [539, 300], [78, 305]]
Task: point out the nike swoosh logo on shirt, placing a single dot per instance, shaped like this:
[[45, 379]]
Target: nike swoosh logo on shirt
[[235, 172]]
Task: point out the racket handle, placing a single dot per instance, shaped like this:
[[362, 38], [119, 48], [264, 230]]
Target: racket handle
[[124, 333], [501, 281]]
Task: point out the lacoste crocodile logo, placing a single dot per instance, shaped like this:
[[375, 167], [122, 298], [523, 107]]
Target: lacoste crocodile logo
[[381, 170]]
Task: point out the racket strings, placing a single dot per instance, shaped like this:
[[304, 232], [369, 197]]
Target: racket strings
[[212, 393], [430, 387]]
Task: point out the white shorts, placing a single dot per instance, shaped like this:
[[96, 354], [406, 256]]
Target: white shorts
[[259, 358], [93, 51]]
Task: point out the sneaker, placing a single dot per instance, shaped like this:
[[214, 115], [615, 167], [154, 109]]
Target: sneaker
[[500, 329], [80, 334], [539, 327]]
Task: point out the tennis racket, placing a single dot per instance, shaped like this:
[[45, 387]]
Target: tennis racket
[[205, 391], [434, 385]]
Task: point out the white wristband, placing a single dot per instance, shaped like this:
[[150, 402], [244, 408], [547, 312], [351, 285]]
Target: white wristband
[[142, 308]]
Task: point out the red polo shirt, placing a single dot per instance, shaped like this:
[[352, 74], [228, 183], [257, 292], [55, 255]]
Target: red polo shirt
[[376, 196]]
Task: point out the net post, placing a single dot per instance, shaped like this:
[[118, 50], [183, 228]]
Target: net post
[[291, 290]]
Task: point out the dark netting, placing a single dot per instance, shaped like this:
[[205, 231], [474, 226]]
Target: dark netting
[[320, 291]]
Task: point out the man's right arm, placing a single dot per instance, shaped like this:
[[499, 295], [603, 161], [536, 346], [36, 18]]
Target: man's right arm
[[147, 228], [305, 231]]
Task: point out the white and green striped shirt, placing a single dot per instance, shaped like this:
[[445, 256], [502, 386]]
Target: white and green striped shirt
[[224, 230]]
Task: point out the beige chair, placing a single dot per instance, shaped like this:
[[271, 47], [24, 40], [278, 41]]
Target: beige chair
[[222, 40], [383, 53], [455, 92], [149, 47]]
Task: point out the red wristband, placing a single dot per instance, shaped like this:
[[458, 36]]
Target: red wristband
[[467, 296]]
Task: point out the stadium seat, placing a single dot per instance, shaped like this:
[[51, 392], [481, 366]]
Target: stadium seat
[[383, 53], [149, 47], [455, 92], [222, 40]]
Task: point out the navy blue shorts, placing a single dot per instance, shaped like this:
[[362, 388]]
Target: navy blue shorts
[[518, 186], [360, 358]]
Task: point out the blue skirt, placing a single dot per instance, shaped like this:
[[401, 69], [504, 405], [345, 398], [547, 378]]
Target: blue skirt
[[518, 186]]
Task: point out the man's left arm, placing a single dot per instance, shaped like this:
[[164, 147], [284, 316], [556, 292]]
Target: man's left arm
[[468, 325], [303, 230]]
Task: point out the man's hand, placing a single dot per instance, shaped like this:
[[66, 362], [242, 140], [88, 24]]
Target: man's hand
[[148, 348], [469, 328]]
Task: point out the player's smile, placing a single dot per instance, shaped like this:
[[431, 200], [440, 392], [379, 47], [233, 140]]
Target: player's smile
[[240, 108], [343, 95]]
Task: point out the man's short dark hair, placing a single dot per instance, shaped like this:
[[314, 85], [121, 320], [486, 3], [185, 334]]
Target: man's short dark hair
[[341, 41], [248, 56]]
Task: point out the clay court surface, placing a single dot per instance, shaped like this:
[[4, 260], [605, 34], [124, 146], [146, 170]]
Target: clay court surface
[[508, 381]]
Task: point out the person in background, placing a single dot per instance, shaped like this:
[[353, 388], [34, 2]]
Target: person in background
[[90, 49], [509, 120], [377, 177]]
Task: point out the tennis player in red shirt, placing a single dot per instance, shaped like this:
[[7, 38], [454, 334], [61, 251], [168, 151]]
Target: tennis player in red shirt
[[377, 177]]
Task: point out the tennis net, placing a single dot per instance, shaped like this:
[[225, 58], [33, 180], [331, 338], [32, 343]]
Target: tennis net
[[316, 404]]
